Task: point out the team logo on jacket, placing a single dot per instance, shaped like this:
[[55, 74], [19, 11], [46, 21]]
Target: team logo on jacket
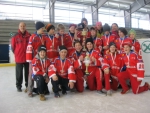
[[146, 46]]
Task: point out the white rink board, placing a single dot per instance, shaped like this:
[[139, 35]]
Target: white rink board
[[145, 47]]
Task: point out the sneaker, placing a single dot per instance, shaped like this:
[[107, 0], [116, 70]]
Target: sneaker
[[30, 94], [104, 90], [35, 90], [19, 89], [124, 91], [42, 97], [57, 95], [109, 93], [26, 90], [100, 92], [64, 92]]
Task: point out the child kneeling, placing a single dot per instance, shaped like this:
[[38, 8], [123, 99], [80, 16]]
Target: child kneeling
[[40, 70], [62, 73]]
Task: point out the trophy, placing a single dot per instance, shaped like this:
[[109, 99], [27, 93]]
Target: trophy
[[87, 62], [84, 33]]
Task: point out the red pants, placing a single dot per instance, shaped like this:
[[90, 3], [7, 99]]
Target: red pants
[[123, 76], [94, 80], [79, 85], [113, 85]]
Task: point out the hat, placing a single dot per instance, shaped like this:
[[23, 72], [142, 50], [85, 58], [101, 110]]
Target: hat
[[84, 19], [39, 25], [92, 28], [127, 43], [62, 48], [49, 26], [89, 40], [132, 31], [42, 47], [72, 25], [98, 23], [80, 26], [112, 44], [106, 27]]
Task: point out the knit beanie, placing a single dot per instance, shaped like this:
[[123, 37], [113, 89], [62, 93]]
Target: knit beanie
[[62, 48], [39, 25], [106, 27], [80, 26], [42, 47], [49, 26], [72, 25], [89, 40], [132, 31]]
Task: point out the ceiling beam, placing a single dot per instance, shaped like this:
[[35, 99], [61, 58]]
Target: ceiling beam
[[138, 4]]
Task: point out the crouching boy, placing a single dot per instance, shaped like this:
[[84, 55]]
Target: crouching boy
[[40, 66], [62, 73]]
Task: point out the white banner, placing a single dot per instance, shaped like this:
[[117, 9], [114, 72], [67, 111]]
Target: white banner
[[145, 47]]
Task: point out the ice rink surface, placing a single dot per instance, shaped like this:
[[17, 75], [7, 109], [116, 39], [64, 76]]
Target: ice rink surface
[[12, 101]]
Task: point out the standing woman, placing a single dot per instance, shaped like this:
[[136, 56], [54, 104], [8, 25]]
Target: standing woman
[[99, 29], [135, 43], [114, 30], [123, 39]]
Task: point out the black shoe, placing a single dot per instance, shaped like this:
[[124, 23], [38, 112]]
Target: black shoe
[[35, 90], [57, 95], [47, 92], [64, 92], [87, 87], [19, 89]]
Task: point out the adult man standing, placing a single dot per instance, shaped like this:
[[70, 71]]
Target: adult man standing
[[19, 44]]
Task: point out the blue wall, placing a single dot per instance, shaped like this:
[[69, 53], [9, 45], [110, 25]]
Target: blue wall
[[4, 53]]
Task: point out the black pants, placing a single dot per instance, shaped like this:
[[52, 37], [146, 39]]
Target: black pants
[[41, 84], [19, 74], [62, 82]]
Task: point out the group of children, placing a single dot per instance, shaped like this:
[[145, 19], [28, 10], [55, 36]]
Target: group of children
[[103, 56]]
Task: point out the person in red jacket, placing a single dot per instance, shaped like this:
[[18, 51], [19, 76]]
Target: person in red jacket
[[134, 71], [77, 57], [52, 42], [94, 78], [40, 65], [62, 73], [135, 43], [63, 38], [123, 39], [19, 44], [107, 38], [114, 30], [37, 39], [97, 41], [112, 65]]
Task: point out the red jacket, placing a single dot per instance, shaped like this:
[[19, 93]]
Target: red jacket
[[115, 33], [39, 67], [136, 47], [97, 44], [113, 62], [52, 45], [66, 40], [74, 56], [119, 42], [34, 42], [79, 35], [106, 40], [19, 44], [134, 64], [63, 69]]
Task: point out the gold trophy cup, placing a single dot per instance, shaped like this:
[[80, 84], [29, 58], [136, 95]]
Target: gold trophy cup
[[84, 33], [87, 62]]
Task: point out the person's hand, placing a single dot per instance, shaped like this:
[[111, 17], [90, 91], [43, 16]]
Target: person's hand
[[56, 35], [47, 80], [93, 59], [71, 85], [81, 58], [55, 78], [105, 47], [85, 78], [106, 71]]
